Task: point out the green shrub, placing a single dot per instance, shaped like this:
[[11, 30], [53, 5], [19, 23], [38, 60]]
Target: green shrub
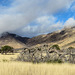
[[39, 49], [71, 48], [55, 61], [4, 60], [56, 47]]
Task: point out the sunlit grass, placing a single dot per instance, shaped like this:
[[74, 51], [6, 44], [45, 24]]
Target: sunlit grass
[[8, 57], [21, 68]]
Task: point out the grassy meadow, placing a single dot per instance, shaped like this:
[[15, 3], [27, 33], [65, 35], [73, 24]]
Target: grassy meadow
[[8, 57], [21, 68]]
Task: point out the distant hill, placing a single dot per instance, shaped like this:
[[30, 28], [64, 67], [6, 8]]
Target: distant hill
[[13, 40], [64, 38]]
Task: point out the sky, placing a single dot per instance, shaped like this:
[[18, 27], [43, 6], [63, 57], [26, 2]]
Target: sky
[[30, 18]]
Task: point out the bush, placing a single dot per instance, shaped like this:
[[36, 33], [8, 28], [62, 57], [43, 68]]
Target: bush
[[4, 60], [6, 49], [56, 47], [55, 61], [71, 48]]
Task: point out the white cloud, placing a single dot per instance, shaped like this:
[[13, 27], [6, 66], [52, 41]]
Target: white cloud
[[46, 24], [70, 22], [46, 19], [22, 12]]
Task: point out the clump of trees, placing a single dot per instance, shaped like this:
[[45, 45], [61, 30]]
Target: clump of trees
[[6, 49]]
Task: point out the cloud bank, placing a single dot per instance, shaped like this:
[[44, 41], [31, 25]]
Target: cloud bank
[[17, 17]]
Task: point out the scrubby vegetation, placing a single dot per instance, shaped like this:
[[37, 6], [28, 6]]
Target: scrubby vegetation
[[47, 57], [56, 47], [45, 53], [55, 61], [71, 48], [6, 49]]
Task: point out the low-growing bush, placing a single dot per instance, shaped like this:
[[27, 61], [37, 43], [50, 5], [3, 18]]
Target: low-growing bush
[[4, 60], [56, 47], [71, 48], [55, 61]]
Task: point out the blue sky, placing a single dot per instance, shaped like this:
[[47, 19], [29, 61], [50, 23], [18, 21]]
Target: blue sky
[[34, 17], [6, 2]]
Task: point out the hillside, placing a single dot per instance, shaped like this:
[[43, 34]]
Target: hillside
[[64, 37], [12, 40]]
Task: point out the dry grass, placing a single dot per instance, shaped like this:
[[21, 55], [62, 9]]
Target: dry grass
[[8, 57], [21, 68]]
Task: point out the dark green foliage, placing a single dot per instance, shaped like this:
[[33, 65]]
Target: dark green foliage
[[56, 47], [4, 60], [6, 49], [55, 61], [39, 49], [70, 48]]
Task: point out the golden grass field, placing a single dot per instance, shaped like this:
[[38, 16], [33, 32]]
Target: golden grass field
[[22, 68], [8, 57]]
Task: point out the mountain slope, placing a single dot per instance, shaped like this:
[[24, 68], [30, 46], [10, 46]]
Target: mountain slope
[[13, 40], [65, 38]]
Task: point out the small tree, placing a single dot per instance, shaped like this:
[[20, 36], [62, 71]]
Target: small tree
[[56, 47], [6, 49]]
